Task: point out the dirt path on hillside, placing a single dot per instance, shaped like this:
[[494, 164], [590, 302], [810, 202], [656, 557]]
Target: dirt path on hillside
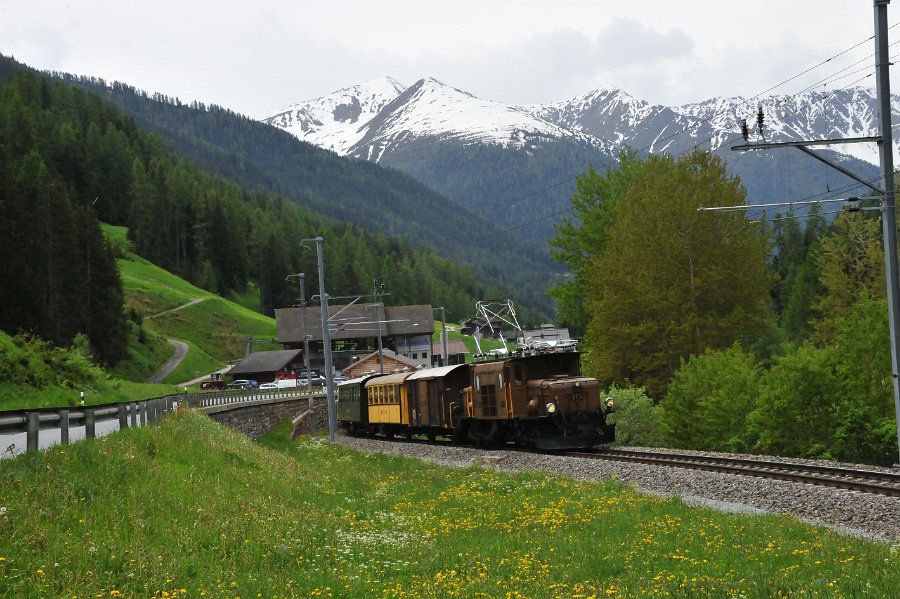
[[196, 300]]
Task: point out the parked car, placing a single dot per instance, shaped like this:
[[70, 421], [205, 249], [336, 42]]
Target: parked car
[[241, 384], [268, 386], [217, 384], [316, 381]]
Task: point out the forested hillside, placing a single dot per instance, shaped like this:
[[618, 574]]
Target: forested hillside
[[377, 199], [528, 189], [69, 159]]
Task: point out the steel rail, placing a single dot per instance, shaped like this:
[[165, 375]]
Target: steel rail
[[868, 481]]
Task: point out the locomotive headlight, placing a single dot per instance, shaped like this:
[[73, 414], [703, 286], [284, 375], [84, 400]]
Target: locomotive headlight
[[551, 408], [609, 402]]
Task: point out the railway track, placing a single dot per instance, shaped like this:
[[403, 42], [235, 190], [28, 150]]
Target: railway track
[[867, 481]]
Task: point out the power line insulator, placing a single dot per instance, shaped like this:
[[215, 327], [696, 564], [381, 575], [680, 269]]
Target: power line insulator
[[853, 205], [759, 118], [745, 130]]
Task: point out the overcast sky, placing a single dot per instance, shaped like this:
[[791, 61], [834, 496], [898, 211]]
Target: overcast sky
[[261, 55]]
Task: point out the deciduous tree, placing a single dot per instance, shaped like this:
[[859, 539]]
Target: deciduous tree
[[672, 281]]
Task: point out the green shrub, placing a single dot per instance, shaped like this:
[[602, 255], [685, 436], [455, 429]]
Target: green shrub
[[638, 420], [710, 398]]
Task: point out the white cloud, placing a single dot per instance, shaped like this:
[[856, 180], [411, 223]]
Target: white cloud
[[259, 56]]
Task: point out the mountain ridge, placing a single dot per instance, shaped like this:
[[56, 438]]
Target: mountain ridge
[[488, 156], [615, 118]]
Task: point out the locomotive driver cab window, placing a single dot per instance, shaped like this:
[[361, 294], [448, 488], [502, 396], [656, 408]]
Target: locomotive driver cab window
[[517, 373]]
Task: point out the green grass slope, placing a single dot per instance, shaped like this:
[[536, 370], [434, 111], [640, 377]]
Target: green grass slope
[[33, 373], [215, 329], [191, 509]]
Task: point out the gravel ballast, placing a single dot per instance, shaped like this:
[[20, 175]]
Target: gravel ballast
[[849, 512]]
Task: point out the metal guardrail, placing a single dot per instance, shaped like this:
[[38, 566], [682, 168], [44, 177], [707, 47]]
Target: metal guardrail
[[130, 413]]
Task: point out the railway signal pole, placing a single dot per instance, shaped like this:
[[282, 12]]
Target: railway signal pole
[[888, 213]]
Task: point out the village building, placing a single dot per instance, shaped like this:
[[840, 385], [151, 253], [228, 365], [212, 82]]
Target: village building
[[357, 330], [264, 366], [372, 364], [456, 352]]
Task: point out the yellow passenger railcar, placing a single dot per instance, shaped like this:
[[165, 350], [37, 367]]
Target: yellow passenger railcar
[[388, 401]]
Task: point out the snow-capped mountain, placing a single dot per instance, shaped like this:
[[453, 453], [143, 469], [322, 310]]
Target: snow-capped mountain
[[370, 119], [376, 117], [615, 116], [333, 121], [517, 165], [429, 110]]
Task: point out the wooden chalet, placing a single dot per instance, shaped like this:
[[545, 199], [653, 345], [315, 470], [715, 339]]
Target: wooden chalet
[[371, 364]]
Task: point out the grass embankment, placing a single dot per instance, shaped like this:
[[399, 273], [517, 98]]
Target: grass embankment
[[190, 509], [33, 373]]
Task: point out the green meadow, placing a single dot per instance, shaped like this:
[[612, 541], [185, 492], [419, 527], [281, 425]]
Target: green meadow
[[216, 329], [191, 509]]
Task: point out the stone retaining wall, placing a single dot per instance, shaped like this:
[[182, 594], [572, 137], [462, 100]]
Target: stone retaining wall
[[255, 420]]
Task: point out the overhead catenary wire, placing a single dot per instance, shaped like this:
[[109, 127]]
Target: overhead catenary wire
[[776, 204]]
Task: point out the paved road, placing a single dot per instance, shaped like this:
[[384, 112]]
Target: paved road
[[12, 444], [181, 349]]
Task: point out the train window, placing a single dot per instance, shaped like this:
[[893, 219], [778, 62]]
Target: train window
[[489, 400], [517, 372]]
